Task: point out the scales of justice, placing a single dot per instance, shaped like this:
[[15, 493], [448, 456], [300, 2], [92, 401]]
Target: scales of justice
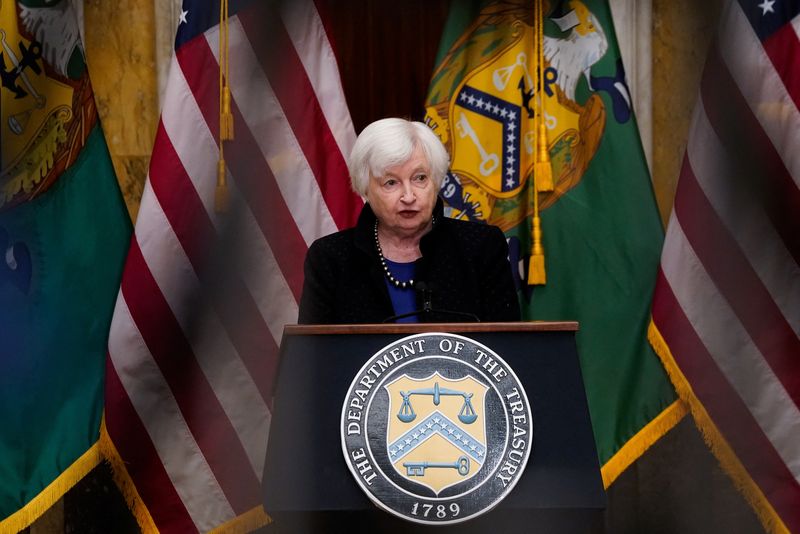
[[466, 415]]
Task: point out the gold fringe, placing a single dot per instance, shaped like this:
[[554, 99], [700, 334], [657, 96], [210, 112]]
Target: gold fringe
[[36, 507], [643, 440], [124, 482], [247, 522], [714, 439]]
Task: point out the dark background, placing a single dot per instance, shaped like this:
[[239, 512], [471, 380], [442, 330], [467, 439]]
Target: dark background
[[386, 51]]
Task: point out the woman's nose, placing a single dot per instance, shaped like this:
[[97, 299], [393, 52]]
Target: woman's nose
[[408, 194]]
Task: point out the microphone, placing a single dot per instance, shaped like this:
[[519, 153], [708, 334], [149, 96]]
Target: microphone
[[426, 292], [427, 296]]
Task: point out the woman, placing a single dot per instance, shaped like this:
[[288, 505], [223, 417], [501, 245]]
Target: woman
[[403, 255]]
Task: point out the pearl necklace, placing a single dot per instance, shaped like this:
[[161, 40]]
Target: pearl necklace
[[397, 283]]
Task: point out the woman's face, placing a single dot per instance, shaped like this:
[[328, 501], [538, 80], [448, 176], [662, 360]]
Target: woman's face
[[404, 197]]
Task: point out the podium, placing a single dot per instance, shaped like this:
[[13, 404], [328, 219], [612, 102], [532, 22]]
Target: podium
[[308, 487]]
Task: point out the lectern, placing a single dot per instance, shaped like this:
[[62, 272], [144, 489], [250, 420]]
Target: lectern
[[309, 488]]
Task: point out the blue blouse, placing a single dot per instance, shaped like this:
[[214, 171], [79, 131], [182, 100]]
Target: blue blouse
[[403, 300]]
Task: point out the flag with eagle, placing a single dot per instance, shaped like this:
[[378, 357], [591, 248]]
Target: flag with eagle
[[530, 99], [64, 231]]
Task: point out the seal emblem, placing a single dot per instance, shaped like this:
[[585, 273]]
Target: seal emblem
[[481, 105], [48, 110], [436, 428]]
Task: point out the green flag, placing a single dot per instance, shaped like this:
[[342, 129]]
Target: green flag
[[600, 230], [64, 232]]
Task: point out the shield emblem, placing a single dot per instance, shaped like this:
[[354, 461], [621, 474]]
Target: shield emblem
[[436, 432], [40, 102], [495, 130], [494, 127]]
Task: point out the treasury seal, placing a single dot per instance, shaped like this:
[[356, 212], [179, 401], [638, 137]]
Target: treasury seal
[[436, 428]]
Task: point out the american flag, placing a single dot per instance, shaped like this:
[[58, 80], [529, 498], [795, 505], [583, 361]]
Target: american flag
[[204, 297], [726, 310]]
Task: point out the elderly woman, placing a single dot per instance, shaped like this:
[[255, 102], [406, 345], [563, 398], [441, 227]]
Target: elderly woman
[[403, 255]]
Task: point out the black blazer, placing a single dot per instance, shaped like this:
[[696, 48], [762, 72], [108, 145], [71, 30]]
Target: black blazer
[[464, 265]]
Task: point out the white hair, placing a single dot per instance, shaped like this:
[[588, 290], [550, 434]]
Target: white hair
[[389, 142]]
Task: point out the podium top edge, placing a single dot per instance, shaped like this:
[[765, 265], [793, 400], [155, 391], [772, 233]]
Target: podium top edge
[[418, 328]]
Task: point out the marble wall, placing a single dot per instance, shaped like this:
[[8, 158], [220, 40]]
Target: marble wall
[[682, 31], [120, 52]]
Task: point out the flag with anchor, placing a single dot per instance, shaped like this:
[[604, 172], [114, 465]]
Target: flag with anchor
[[436, 430], [64, 231], [530, 98]]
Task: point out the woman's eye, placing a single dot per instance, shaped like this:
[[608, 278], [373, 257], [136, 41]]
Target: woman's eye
[[421, 177], [390, 182]]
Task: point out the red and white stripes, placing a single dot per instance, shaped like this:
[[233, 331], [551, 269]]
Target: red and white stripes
[[204, 297], [727, 302]]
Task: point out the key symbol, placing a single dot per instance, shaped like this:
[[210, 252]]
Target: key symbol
[[489, 162], [417, 469]]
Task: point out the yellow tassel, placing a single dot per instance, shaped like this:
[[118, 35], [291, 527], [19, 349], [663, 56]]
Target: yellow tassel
[[544, 176], [221, 195], [225, 115], [226, 118], [536, 272], [542, 173], [542, 168]]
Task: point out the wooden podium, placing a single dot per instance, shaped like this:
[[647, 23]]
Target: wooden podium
[[307, 485]]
